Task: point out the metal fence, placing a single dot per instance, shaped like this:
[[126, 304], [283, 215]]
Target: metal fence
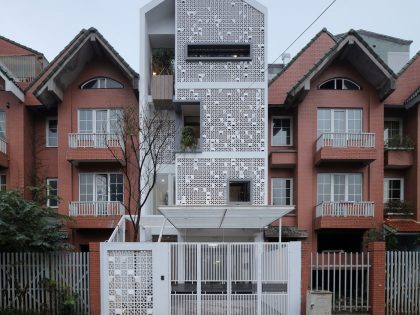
[[346, 275], [28, 281], [402, 293]]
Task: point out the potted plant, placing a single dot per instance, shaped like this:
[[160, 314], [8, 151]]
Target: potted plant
[[397, 208], [400, 143], [188, 140]]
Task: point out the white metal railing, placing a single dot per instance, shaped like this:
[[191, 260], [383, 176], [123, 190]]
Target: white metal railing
[[119, 232], [346, 275], [345, 209], [3, 146], [96, 208], [345, 140], [94, 140]]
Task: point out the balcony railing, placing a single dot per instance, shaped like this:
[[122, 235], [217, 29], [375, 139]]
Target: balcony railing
[[3, 146], [94, 140], [346, 140], [345, 209], [95, 208]]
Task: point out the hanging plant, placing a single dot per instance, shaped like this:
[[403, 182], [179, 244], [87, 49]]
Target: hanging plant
[[188, 140]]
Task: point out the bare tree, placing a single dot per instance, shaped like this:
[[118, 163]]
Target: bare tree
[[145, 138]]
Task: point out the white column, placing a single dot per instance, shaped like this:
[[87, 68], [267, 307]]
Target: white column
[[294, 277]]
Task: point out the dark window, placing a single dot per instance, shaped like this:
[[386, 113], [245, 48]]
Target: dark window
[[2, 182], [240, 191], [219, 51], [339, 84], [101, 83], [281, 132], [52, 192]]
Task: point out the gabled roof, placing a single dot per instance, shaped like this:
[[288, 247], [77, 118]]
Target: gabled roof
[[408, 64], [11, 85], [21, 46], [295, 58], [355, 49], [48, 87]]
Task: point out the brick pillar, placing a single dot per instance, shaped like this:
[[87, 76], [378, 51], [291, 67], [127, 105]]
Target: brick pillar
[[94, 279], [377, 277], [306, 272]]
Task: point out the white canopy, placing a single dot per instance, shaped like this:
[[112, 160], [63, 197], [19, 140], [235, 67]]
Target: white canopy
[[223, 217]]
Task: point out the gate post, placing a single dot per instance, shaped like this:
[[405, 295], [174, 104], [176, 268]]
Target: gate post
[[94, 279], [377, 277], [294, 277]]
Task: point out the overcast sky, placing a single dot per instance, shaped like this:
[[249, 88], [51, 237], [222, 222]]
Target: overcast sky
[[48, 25]]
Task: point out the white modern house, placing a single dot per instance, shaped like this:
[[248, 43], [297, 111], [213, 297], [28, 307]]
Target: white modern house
[[211, 196]]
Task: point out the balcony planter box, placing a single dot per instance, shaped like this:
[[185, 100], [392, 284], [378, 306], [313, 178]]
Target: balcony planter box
[[398, 158], [162, 87]]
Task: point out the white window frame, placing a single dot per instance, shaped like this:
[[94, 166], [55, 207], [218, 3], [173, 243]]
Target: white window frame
[[400, 121], [291, 131], [342, 84], [5, 123], [386, 187], [291, 188], [108, 175], [102, 80], [346, 186], [49, 180], [346, 110], [47, 128], [94, 111]]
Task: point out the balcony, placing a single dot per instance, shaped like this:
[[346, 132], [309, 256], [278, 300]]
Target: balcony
[[345, 147], [94, 147], [4, 159], [95, 215], [345, 214], [162, 89]]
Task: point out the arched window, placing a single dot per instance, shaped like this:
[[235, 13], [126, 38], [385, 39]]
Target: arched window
[[339, 84], [101, 83]]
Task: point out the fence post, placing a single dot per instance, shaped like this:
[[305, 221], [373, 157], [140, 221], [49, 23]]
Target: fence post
[[94, 279], [377, 277]]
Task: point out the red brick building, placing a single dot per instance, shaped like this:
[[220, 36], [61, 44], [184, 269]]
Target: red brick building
[[58, 122]]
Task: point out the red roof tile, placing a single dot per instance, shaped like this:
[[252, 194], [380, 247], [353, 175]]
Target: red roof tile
[[403, 225]]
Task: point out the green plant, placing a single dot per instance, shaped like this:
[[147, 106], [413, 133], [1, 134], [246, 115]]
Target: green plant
[[400, 142], [381, 235], [188, 140], [62, 298], [397, 206], [27, 225], [162, 61]]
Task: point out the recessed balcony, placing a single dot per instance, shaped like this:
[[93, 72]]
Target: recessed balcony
[[94, 147], [345, 214], [345, 147], [4, 158]]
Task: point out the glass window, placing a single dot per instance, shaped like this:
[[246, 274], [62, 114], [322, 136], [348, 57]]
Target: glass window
[[2, 182], [339, 84], [85, 121], [281, 191], [2, 125], [339, 120], [240, 191], [100, 120], [339, 187], [52, 192], [214, 51], [101, 83], [101, 187], [393, 189], [52, 136], [392, 128], [282, 132]]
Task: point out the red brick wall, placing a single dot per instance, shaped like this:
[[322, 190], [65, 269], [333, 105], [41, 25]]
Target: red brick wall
[[94, 279], [377, 277]]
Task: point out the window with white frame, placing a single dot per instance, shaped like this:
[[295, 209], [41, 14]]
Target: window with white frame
[[281, 131], [282, 191], [393, 189], [339, 84], [392, 128], [101, 83], [2, 125], [52, 192], [52, 135], [2, 182], [106, 121], [339, 187], [95, 187], [337, 120]]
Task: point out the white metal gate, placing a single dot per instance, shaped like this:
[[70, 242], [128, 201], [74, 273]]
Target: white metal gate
[[201, 278]]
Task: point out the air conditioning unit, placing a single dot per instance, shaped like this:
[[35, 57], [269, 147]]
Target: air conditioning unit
[[318, 303]]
